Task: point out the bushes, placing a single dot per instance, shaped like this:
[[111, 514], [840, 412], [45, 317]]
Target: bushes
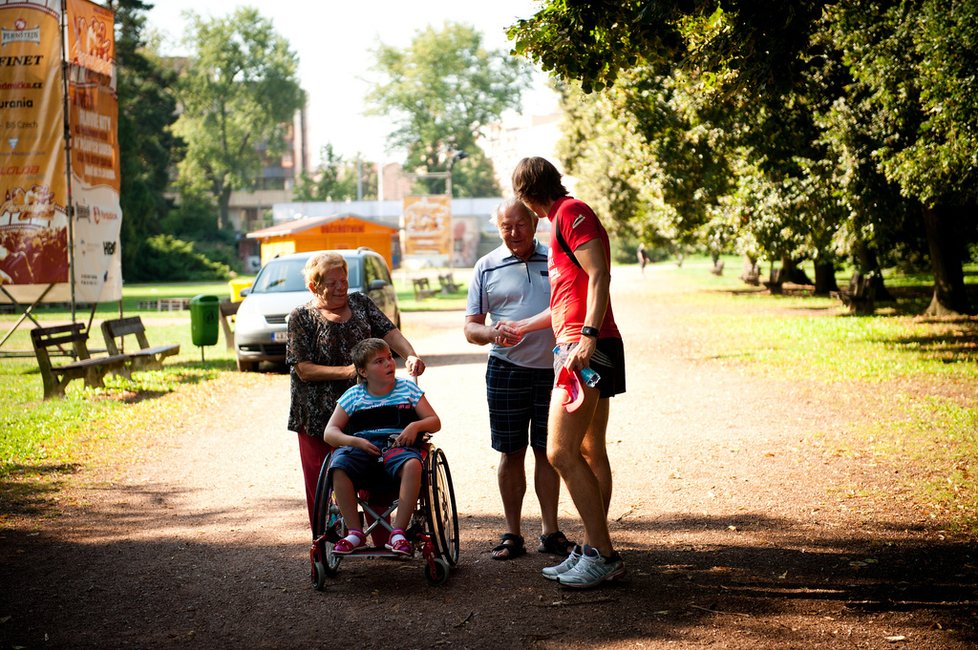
[[165, 258]]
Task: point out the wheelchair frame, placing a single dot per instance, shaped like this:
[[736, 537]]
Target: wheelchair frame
[[433, 529]]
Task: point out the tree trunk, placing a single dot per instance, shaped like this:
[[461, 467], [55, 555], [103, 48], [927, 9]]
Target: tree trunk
[[223, 203], [751, 274], [791, 272], [825, 278], [868, 264], [944, 240], [775, 279]]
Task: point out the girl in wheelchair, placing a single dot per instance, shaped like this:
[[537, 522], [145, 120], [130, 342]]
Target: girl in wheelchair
[[375, 426]]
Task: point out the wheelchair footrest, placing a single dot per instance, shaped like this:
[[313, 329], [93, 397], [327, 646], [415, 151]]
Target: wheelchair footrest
[[377, 551]]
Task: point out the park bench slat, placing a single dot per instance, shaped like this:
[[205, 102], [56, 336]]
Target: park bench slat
[[146, 356]]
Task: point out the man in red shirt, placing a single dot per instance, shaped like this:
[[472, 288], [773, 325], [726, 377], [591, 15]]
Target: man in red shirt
[[587, 338]]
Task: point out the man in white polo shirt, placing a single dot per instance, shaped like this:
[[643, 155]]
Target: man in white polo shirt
[[510, 284]]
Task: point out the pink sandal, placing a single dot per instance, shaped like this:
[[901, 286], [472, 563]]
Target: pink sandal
[[350, 543], [399, 544]]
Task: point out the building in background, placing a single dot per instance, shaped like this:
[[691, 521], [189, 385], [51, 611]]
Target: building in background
[[316, 233], [472, 230]]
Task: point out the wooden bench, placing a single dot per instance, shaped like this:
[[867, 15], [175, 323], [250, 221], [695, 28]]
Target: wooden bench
[[92, 370], [448, 284], [860, 297], [116, 330], [422, 288]]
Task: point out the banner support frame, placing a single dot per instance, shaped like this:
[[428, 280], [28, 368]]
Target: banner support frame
[[69, 205], [27, 314]]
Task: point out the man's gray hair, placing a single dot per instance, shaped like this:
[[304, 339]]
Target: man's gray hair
[[514, 204]]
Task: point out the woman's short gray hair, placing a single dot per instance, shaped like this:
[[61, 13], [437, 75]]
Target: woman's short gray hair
[[319, 265]]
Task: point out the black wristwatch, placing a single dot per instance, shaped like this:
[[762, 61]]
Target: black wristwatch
[[591, 332]]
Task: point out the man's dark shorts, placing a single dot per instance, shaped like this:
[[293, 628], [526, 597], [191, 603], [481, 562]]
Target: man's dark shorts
[[608, 361], [519, 404]]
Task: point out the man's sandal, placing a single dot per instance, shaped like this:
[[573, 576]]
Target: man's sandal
[[556, 543], [399, 544], [350, 543], [510, 547]]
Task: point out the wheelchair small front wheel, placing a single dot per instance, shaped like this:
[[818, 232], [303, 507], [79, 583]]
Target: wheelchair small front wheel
[[319, 576], [436, 572]]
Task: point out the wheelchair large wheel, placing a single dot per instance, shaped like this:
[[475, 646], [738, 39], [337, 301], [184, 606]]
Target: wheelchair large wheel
[[328, 528], [441, 499]]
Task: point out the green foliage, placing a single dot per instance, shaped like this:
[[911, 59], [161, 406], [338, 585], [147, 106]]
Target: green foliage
[[147, 107], [917, 67], [238, 95], [475, 175], [192, 217], [169, 259], [439, 94], [760, 43], [335, 179], [780, 129]]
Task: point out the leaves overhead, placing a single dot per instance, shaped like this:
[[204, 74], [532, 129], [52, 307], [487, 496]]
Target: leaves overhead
[[796, 129]]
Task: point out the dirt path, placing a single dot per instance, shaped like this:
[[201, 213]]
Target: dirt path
[[741, 525]]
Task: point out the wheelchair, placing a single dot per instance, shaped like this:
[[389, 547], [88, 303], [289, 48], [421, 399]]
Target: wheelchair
[[433, 531]]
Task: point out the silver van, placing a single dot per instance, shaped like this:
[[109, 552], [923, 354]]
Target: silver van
[[260, 328]]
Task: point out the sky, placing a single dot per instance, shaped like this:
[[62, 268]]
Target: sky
[[334, 42]]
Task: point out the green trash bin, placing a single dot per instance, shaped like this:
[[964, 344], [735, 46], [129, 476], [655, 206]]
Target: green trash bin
[[204, 316]]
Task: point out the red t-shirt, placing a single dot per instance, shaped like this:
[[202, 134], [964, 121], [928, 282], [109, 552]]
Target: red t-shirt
[[568, 282]]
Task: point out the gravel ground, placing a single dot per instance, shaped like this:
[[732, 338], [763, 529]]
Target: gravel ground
[[741, 522]]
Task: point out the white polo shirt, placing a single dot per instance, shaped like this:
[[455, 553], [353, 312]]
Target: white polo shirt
[[506, 288]]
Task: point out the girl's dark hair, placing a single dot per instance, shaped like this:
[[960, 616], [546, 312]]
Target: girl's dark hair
[[536, 179], [364, 351]]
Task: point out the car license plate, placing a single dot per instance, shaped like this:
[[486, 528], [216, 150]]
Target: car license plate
[[280, 337]]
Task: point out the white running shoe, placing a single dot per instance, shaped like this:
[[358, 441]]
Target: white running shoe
[[592, 569], [554, 572]]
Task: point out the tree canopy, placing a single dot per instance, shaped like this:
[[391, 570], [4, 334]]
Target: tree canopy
[[237, 95], [439, 93], [146, 110], [337, 179], [795, 129]]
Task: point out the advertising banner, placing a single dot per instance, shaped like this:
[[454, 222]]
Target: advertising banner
[[34, 159], [33, 186], [427, 226], [93, 121]]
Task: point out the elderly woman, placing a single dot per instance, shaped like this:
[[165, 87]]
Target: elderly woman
[[321, 334]]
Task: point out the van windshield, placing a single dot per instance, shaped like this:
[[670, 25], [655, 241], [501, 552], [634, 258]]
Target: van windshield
[[281, 276]]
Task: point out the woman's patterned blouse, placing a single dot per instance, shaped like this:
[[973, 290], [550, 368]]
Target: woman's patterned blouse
[[313, 338]]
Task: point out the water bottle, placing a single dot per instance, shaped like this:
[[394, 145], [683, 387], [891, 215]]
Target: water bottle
[[590, 377]]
